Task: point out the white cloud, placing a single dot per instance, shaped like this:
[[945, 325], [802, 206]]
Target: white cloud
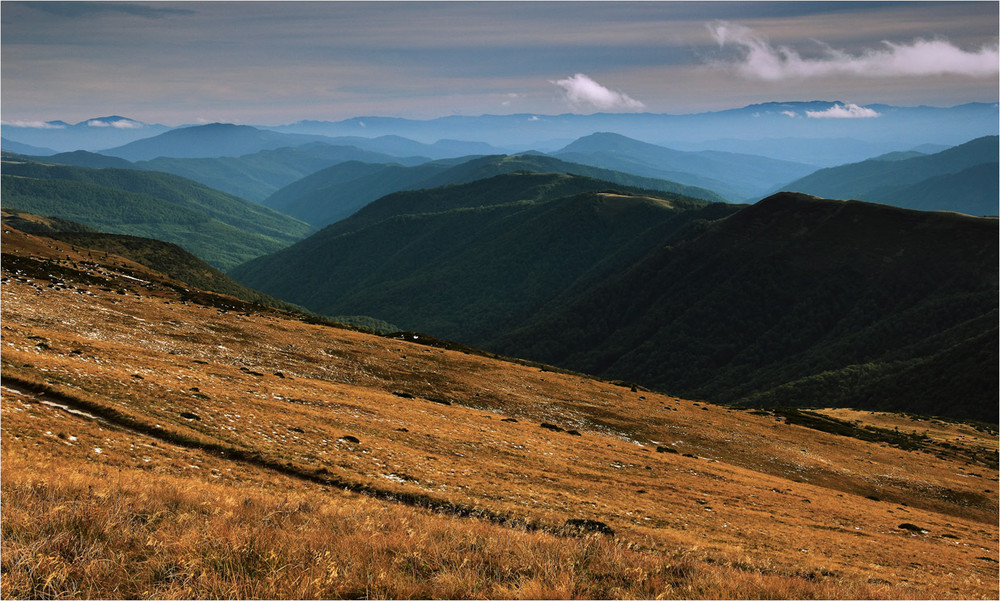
[[35, 124], [119, 124], [582, 91], [791, 114], [762, 60], [843, 111]]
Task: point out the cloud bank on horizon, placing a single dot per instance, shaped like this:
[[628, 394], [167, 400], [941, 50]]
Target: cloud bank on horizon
[[762, 60]]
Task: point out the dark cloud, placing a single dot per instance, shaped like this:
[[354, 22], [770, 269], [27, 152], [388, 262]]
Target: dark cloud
[[76, 10]]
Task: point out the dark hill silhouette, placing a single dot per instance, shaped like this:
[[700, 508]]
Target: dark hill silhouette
[[800, 301]]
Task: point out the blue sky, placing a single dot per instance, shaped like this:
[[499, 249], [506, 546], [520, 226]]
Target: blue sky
[[279, 62]]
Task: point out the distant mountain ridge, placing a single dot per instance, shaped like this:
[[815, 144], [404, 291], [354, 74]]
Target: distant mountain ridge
[[203, 141], [736, 176], [754, 129], [337, 192], [926, 182]]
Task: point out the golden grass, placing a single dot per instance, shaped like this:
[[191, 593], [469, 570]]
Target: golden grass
[[759, 509]]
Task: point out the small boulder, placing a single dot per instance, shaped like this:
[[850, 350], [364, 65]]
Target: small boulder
[[349, 438], [662, 449], [189, 415], [589, 526], [552, 427]]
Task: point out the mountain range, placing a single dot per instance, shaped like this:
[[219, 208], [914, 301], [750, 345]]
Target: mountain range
[[337, 192], [847, 302], [222, 229], [814, 132], [963, 179]]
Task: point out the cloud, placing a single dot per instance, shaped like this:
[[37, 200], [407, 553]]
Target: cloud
[[843, 111], [119, 124], [89, 9], [759, 59], [582, 91], [35, 124], [791, 114]]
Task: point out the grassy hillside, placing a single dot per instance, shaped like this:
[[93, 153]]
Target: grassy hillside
[[944, 181], [797, 301], [219, 228], [157, 446]]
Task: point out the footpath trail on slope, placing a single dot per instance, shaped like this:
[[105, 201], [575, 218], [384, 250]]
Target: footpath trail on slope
[[81, 409]]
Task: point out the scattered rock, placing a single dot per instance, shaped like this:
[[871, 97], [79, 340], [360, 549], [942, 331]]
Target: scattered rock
[[509, 419], [690, 455], [552, 427], [189, 415], [279, 374], [137, 377], [872, 497], [403, 395], [662, 449], [589, 526], [910, 527], [439, 401], [349, 438], [294, 429], [574, 433], [194, 389], [401, 430]]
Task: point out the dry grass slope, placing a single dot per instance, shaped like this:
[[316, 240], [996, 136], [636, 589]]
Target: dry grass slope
[[157, 444]]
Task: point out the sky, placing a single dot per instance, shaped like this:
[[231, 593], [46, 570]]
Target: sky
[[273, 63]]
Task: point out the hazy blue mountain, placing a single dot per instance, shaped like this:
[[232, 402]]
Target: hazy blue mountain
[[212, 140], [222, 229], [25, 149], [337, 192], [399, 146], [895, 181], [906, 127], [472, 257], [256, 176], [735, 176], [821, 152], [92, 134], [972, 191]]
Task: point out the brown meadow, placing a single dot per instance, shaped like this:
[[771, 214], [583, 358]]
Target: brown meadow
[[226, 450]]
